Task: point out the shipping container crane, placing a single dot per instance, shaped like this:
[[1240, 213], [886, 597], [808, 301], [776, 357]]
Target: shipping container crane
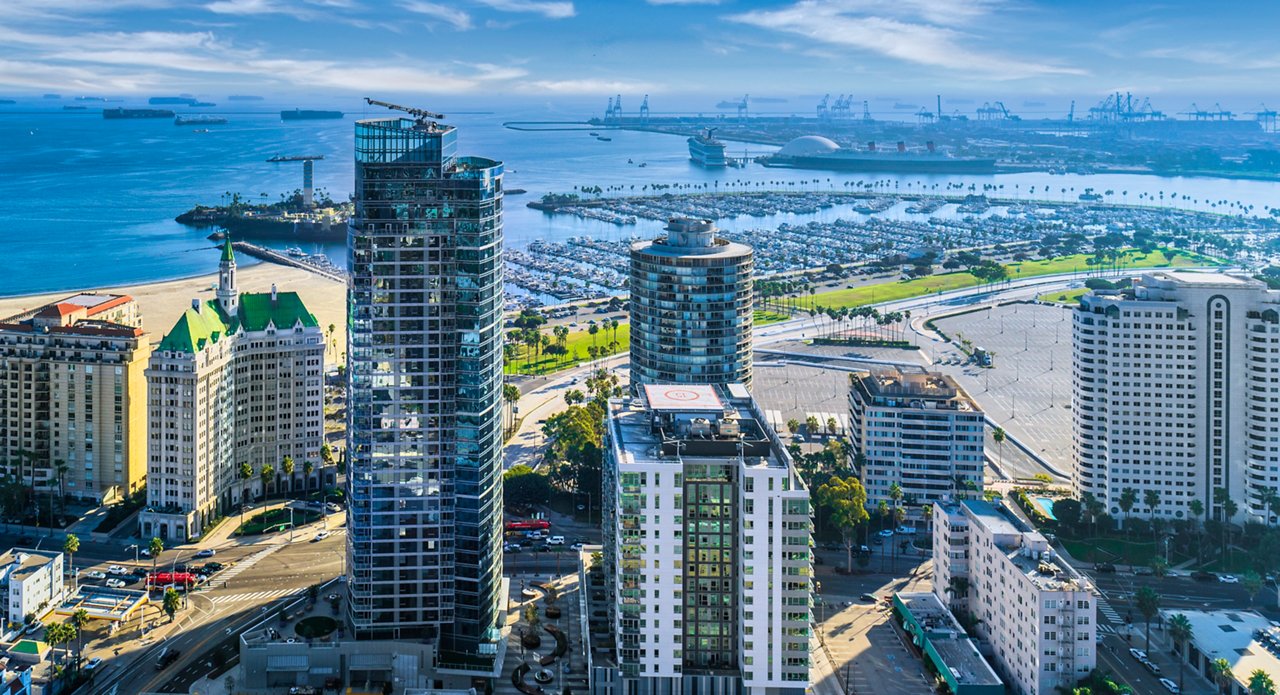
[[822, 106], [644, 109], [866, 112], [1071, 115], [1266, 118]]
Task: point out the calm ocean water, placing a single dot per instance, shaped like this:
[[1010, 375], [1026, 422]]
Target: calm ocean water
[[86, 202]]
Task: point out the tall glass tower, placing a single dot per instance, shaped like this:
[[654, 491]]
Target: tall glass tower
[[425, 386]]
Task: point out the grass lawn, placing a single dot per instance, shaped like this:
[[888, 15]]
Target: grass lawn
[[1115, 550], [764, 318], [276, 520], [1067, 297], [906, 289], [577, 345]]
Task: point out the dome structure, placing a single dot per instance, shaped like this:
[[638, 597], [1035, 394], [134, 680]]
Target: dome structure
[[807, 146]]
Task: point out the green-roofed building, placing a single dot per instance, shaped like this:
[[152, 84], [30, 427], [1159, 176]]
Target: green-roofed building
[[237, 380]]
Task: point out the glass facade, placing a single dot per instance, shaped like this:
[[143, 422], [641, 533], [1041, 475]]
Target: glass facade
[[425, 386]]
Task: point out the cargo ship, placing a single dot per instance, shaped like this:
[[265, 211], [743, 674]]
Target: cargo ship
[[307, 115], [817, 152], [706, 151], [170, 101], [112, 114], [199, 120], [201, 104], [244, 97]]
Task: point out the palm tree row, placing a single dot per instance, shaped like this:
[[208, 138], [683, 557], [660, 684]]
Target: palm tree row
[[886, 326]]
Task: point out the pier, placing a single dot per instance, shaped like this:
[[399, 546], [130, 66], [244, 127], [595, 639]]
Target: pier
[[262, 253]]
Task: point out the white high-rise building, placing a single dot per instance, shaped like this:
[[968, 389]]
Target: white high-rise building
[[236, 381], [1037, 613], [921, 431], [1176, 390], [706, 545]]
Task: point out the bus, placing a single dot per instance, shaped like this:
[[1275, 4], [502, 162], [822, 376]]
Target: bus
[[181, 581], [531, 525]]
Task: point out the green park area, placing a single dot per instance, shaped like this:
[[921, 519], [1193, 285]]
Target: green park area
[[577, 348], [1067, 297], [932, 284], [276, 520], [764, 318]]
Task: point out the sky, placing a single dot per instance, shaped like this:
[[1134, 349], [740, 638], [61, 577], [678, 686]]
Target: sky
[[683, 53]]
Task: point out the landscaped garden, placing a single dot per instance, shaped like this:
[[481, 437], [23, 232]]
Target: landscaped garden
[[279, 519]]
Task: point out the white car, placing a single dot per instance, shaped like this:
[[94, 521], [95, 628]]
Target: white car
[[1138, 654], [96, 574], [93, 663], [322, 535], [1170, 686], [1228, 579], [555, 540], [116, 583], [907, 530], [887, 533], [117, 570], [576, 546]]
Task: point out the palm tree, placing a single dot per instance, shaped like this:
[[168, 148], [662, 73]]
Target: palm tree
[[1197, 517], [70, 546], [1128, 498], [155, 547], [246, 472], [998, 436], [267, 474], [307, 468], [1222, 676], [1149, 606], [59, 634], [793, 425], [1180, 631], [77, 621], [287, 466], [1260, 683]]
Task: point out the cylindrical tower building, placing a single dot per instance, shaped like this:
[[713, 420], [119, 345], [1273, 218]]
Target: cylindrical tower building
[[691, 307]]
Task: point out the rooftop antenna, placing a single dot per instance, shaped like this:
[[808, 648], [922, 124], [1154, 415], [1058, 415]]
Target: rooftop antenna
[[421, 116]]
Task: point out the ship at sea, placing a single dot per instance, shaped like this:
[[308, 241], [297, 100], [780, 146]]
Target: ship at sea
[[171, 101], [706, 151], [199, 120], [817, 152], [307, 115], [112, 114], [244, 97]]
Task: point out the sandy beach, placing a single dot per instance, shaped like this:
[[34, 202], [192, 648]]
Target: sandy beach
[[161, 303]]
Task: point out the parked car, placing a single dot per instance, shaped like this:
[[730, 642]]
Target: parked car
[[555, 540], [1152, 667], [864, 550], [887, 533], [1137, 654], [33, 627], [512, 548], [867, 597], [117, 570], [207, 552], [96, 574], [93, 663], [1228, 579], [1170, 686], [576, 546], [1104, 568], [907, 530], [116, 583]]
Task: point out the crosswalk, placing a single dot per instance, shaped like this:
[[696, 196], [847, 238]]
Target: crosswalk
[[233, 571], [256, 596], [1106, 611]]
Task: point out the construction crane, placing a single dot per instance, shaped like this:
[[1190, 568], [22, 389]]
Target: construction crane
[[422, 116], [1266, 117], [644, 109]]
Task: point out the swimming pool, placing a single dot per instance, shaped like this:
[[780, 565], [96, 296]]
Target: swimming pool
[[1046, 505]]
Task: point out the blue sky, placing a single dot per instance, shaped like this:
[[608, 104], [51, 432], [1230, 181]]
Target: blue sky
[[683, 52]]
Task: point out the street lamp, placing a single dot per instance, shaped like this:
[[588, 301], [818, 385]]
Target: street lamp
[[135, 552]]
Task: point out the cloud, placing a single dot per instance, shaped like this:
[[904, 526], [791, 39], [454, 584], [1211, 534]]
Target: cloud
[[586, 86], [450, 15], [683, 2], [912, 31], [551, 9]]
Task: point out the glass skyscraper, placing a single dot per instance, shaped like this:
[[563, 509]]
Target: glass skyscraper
[[425, 387]]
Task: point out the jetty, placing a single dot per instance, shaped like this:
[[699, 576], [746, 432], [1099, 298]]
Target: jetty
[[306, 263]]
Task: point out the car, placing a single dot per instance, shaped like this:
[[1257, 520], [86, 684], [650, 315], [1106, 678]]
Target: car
[[534, 535], [907, 530], [93, 663], [145, 552], [1228, 579], [167, 656], [867, 597], [576, 546], [1170, 686], [333, 507], [1137, 654], [1144, 571], [33, 627], [96, 574], [141, 572], [887, 533], [117, 583], [512, 548], [1203, 576], [877, 541], [1152, 667], [211, 567], [117, 570], [321, 536], [555, 540], [1100, 637], [207, 552], [1104, 568]]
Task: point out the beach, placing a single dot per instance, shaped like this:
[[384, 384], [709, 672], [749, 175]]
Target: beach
[[161, 303]]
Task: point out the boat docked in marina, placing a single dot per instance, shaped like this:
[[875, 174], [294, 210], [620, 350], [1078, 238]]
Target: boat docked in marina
[[706, 151], [817, 152]]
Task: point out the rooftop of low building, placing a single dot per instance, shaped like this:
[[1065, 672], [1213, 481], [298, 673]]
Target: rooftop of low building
[[928, 390], [1247, 640]]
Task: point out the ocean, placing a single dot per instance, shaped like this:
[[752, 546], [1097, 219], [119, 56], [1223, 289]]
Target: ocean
[[86, 202]]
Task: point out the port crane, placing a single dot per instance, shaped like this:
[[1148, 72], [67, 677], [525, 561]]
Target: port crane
[[422, 116], [822, 106], [1197, 114], [866, 112], [1222, 114], [644, 109], [923, 116], [742, 107], [1266, 117], [1071, 115]]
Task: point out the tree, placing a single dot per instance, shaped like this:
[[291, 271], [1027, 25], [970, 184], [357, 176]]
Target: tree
[[1180, 631], [171, 602], [1151, 498], [523, 486], [1148, 602], [1252, 583], [71, 546], [1222, 676], [1069, 512], [307, 469], [155, 547], [286, 465], [246, 472], [1260, 683], [1128, 498], [998, 436], [78, 621], [59, 634], [793, 425], [846, 503], [811, 425], [267, 474], [1197, 517]]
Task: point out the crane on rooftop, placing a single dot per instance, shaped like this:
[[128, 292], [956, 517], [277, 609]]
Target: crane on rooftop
[[422, 116]]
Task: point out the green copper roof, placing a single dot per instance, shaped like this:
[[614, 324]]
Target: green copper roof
[[196, 329], [257, 310], [228, 254]]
